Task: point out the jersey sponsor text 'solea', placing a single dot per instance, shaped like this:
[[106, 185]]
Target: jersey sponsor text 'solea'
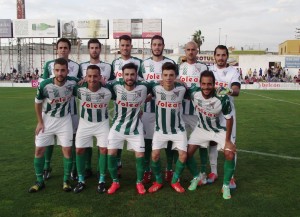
[[55, 99], [105, 68], [118, 63], [128, 107], [190, 74], [73, 68], [93, 105], [151, 71], [211, 112], [168, 119]]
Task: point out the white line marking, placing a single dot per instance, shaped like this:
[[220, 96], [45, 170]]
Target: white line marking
[[271, 155], [279, 100]]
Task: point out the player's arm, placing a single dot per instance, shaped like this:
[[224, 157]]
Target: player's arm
[[229, 146], [38, 111]]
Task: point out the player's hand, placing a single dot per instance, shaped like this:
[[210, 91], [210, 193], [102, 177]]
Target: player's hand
[[141, 113], [229, 146], [40, 127], [224, 91], [81, 82], [148, 98]]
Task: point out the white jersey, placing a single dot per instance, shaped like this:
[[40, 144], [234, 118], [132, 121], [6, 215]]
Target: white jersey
[[211, 112], [93, 105], [105, 68], [168, 105], [73, 68], [128, 107], [118, 63], [190, 74], [151, 71], [55, 99]]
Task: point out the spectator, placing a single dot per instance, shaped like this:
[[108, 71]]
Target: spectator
[[260, 72]]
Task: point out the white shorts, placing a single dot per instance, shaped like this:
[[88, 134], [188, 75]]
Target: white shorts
[[160, 141], [87, 130], [190, 122], [148, 120], [59, 127], [75, 121], [134, 142], [202, 138]]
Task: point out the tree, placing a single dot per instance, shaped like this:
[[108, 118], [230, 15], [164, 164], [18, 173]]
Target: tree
[[198, 39]]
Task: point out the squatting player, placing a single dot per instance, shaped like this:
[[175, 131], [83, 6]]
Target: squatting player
[[151, 71], [94, 122], [214, 124], [52, 107], [169, 125], [189, 73], [94, 47], [125, 46], [127, 125], [63, 47], [228, 79]]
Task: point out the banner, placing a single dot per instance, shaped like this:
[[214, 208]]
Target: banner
[[5, 28], [37, 28], [271, 86]]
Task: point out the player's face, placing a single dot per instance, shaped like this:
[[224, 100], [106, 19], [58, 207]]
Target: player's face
[[129, 76], [94, 51], [63, 50], [61, 72], [207, 86], [157, 47], [93, 78], [125, 48], [168, 77], [191, 52], [221, 58]]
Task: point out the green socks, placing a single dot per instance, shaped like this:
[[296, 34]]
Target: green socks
[[48, 155], [178, 171], [140, 168], [192, 166], [88, 158], [67, 168], [80, 161], [38, 167], [102, 164], [112, 167], [156, 169], [228, 171]]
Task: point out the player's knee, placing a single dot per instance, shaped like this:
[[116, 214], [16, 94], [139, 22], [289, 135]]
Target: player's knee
[[182, 156], [229, 155], [80, 151], [39, 151], [103, 150]]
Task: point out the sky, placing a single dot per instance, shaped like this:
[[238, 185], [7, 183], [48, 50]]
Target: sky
[[251, 24]]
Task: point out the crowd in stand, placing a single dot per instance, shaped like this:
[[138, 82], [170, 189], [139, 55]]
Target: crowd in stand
[[17, 77]]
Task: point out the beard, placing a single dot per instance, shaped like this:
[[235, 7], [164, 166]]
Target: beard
[[157, 55]]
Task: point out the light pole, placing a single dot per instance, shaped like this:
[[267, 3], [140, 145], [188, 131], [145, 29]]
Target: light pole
[[219, 35]]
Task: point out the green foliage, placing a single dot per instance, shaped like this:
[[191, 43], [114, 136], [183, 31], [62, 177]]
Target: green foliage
[[267, 186], [198, 38], [248, 52]]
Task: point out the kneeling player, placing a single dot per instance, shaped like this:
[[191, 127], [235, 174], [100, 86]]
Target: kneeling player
[[94, 100], [214, 124]]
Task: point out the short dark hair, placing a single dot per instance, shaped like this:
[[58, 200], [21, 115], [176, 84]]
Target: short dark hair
[[125, 37], [221, 47], [158, 37], [94, 67], [61, 61], [130, 66], [207, 73], [94, 41], [169, 66], [65, 40]]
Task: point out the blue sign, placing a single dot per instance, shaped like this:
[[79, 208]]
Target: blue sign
[[292, 62]]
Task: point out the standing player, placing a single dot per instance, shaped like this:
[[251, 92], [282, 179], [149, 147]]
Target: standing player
[[228, 79], [94, 47], [94, 100], [125, 46], [63, 47], [189, 73], [52, 107], [127, 125], [214, 124], [169, 126], [152, 71]]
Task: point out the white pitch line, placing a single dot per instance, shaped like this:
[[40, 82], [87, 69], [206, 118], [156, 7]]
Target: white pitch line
[[279, 100], [268, 154]]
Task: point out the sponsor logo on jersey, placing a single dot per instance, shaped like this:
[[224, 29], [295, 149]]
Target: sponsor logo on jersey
[[128, 104], [168, 104], [91, 105], [153, 76], [191, 79], [221, 84], [60, 100], [119, 74], [204, 112]]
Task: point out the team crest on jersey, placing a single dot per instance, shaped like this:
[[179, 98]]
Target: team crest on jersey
[[137, 95], [101, 96], [68, 90], [199, 103], [175, 95]]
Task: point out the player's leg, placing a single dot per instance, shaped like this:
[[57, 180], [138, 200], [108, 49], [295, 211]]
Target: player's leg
[[229, 166], [119, 161], [38, 163], [232, 184], [148, 149], [75, 122], [140, 168], [80, 164], [47, 166], [213, 159], [88, 162], [170, 158]]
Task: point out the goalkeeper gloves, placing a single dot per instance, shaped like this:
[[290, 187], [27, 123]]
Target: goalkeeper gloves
[[224, 90]]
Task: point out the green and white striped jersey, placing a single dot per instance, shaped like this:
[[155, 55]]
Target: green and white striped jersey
[[151, 71], [93, 105], [55, 99], [127, 108], [190, 74], [168, 105], [118, 63], [106, 70], [211, 112], [73, 68]]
